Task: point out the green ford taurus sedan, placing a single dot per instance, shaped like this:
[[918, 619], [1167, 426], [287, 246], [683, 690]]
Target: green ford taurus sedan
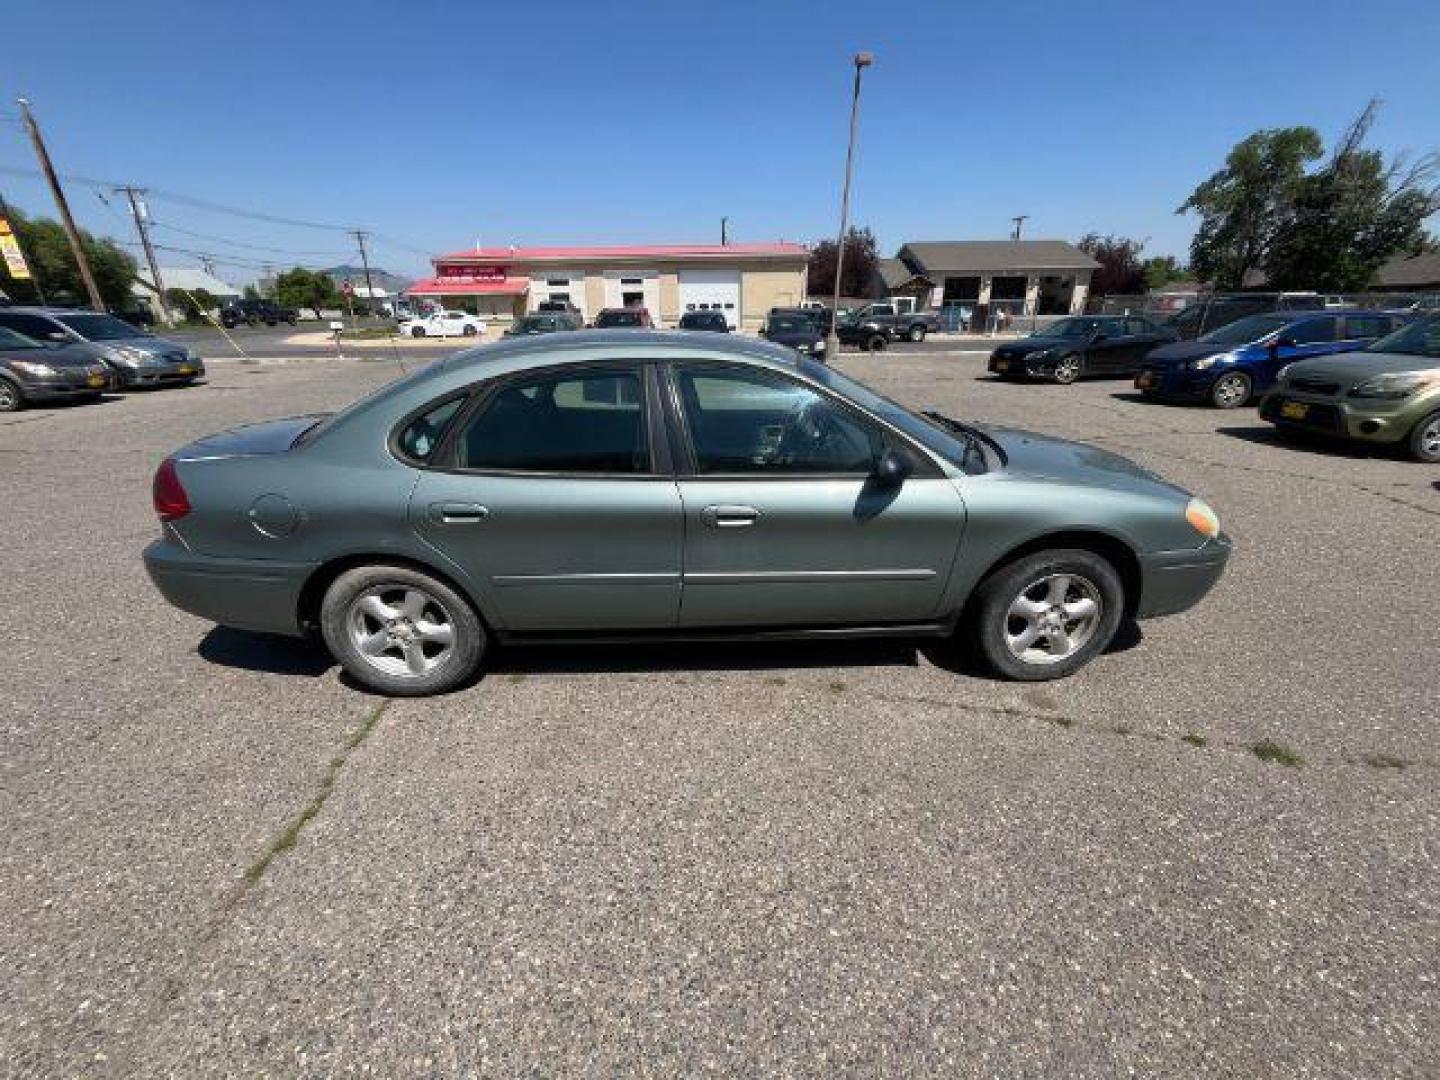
[[626, 485], [1388, 393]]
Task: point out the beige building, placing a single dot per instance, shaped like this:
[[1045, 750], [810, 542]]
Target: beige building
[[1025, 277], [742, 280]]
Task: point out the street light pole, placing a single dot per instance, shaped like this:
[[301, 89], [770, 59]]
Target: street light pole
[[832, 340]]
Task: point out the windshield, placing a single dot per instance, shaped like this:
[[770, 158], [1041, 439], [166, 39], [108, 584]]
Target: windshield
[[1247, 330], [617, 318], [1070, 329], [533, 324], [789, 324], [100, 327], [1418, 339], [9, 339], [930, 434]]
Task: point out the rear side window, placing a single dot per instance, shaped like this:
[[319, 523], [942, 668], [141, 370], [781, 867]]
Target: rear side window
[[1366, 326], [421, 436], [30, 325], [574, 423], [1314, 331]]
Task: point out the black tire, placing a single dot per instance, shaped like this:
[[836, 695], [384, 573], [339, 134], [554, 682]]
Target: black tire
[[1424, 441], [1069, 368], [1231, 390], [917, 334], [876, 343], [12, 398], [990, 621], [89, 399], [469, 331], [338, 612], [417, 331]]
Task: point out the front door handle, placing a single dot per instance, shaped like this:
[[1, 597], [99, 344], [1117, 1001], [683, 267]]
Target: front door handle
[[455, 513], [729, 517]]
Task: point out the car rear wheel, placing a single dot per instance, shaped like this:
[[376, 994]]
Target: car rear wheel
[[1424, 440], [401, 632], [876, 343], [469, 331], [417, 331], [917, 333], [1068, 369], [1230, 391], [1046, 615], [11, 400]]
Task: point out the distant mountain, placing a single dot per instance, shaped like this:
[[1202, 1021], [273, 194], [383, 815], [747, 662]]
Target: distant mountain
[[355, 275]]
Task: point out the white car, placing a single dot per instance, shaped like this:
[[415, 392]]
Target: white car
[[443, 324]]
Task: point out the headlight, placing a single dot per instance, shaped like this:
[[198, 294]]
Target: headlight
[[1395, 387], [30, 367], [1204, 363], [129, 356], [1202, 519]]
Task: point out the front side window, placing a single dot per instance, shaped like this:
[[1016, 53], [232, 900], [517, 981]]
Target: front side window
[[754, 422], [1314, 332], [32, 326], [1366, 326], [583, 422], [1417, 339], [100, 327], [11, 339]]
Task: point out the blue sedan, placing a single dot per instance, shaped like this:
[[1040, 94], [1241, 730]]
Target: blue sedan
[[1229, 366]]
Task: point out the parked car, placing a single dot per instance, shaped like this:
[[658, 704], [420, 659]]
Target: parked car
[[542, 322], [874, 326], [443, 324], [33, 372], [1212, 312], [442, 513], [1080, 345], [1388, 393], [1229, 366], [713, 321], [561, 307], [135, 358], [234, 313], [797, 330], [618, 318], [820, 317]]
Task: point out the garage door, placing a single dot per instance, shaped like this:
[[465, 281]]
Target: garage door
[[711, 290]]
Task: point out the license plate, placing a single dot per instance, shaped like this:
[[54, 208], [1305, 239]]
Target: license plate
[[1002, 365], [1294, 410], [1145, 381], [186, 369], [96, 380]]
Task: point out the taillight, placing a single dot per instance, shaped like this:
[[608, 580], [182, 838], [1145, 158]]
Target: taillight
[[171, 502]]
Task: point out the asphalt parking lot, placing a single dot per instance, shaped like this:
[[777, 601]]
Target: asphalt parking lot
[[219, 858]]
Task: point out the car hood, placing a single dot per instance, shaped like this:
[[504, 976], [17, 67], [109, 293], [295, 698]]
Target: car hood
[[1178, 352], [1026, 346], [266, 437], [154, 346], [1045, 457], [1361, 365], [57, 356]]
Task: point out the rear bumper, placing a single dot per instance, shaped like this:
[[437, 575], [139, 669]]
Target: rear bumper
[[1175, 581], [250, 594]]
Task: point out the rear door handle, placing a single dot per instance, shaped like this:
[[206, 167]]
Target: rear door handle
[[454, 513], [729, 517]]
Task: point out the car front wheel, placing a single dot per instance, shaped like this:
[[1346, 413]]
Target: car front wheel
[[1068, 369], [876, 343], [1424, 440], [417, 331], [11, 400], [1230, 391], [917, 333], [1046, 615], [401, 632]]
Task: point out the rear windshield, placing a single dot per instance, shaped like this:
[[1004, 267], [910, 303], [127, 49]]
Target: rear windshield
[[790, 324], [617, 318]]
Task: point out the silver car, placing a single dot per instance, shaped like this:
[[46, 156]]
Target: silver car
[[635, 485], [134, 357]]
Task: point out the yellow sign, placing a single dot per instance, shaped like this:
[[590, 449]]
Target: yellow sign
[[10, 251]]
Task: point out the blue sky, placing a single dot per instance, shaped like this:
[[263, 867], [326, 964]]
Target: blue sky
[[437, 124]]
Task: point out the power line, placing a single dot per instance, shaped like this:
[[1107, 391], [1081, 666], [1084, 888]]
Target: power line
[[242, 244]]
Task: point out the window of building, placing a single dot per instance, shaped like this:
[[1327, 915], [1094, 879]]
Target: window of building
[[746, 422], [576, 423]]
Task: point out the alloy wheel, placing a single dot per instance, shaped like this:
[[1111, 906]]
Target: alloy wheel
[[400, 630], [1067, 370], [1427, 441], [1052, 618], [9, 397], [1231, 391]]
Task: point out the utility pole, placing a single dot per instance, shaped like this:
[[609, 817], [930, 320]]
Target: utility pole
[[139, 213], [207, 264], [66, 220], [29, 262], [360, 235], [724, 232], [832, 340], [1018, 219]]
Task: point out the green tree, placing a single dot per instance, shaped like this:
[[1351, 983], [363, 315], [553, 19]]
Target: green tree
[[862, 262], [1161, 270], [1248, 204], [1352, 215], [301, 288], [194, 303], [48, 252], [251, 293], [1119, 258]]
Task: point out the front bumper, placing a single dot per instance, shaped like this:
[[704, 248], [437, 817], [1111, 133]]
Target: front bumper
[[1175, 581], [1175, 383], [67, 385], [1029, 365], [250, 594], [159, 374], [1365, 420]]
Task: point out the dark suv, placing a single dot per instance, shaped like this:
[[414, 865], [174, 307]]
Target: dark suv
[[631, 318], [705, 320], [255, 312]]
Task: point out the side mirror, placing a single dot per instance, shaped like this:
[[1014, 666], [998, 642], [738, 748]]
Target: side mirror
[[893, 468]]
